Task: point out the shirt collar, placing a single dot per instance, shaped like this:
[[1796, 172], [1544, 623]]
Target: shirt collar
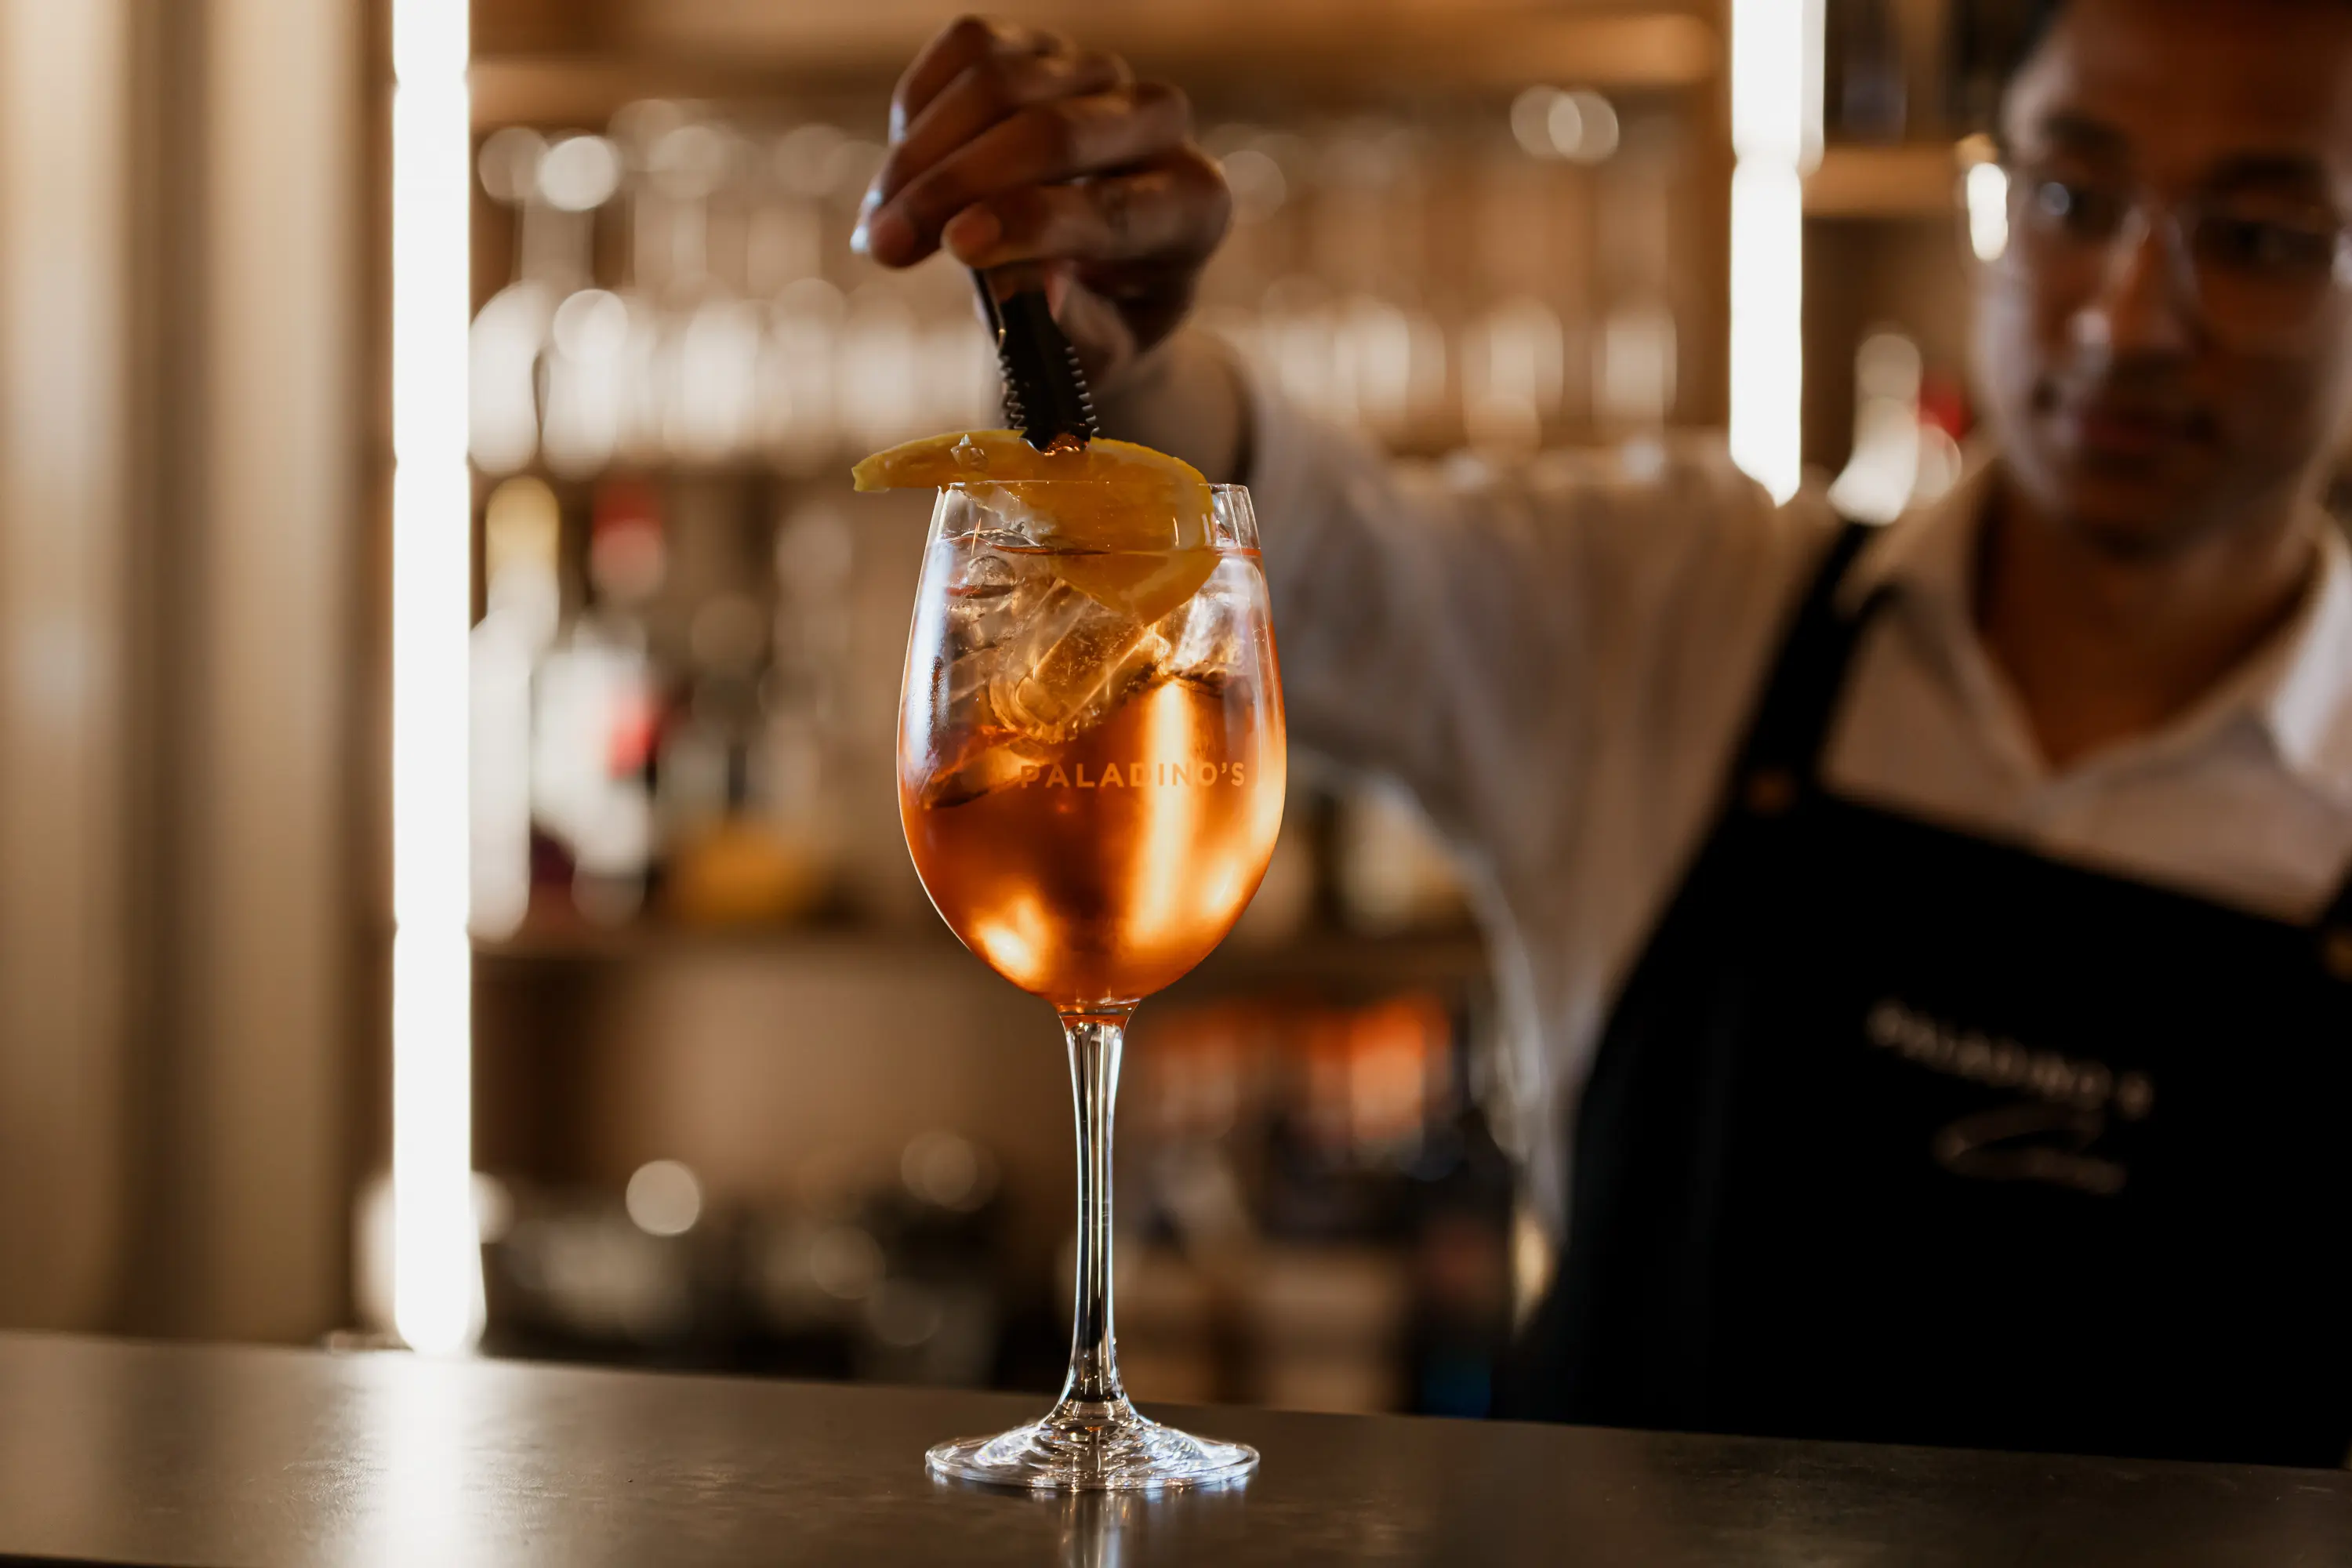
[[2297, 687], [2310, 703]]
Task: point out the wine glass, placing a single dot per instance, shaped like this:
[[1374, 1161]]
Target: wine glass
[[1090, 776]]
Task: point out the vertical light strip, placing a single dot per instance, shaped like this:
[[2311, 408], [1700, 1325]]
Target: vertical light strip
[[1776, 137], [1768, 335], [437, 1261]]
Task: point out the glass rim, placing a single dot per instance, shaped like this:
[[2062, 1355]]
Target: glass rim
[[1233, 516], [1224, 487]]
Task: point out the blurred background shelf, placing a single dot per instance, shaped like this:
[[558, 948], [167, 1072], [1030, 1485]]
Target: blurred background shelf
[[1454, 958], [1491, 227], [1906, 180]]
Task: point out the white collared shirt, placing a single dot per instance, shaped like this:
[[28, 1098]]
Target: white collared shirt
[[1558, 660]]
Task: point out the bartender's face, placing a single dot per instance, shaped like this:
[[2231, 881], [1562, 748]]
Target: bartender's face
[[2147, 392]]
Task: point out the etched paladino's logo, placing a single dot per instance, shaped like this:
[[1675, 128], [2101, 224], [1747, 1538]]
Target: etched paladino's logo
[[1134, 775]]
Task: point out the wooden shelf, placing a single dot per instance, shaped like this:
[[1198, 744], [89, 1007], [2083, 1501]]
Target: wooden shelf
[[1435, 958], [1903, 181], [726, 51], [577, 942]]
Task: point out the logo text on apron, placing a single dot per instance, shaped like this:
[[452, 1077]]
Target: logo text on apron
[[2047, 1137]]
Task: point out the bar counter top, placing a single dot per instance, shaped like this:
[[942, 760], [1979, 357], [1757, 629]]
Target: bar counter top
[[213, 1457]]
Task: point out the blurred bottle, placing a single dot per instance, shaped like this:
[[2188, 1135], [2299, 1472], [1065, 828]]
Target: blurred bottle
[[588, 380], [1391, 870], [1635, 390], [799, 424], [1285, 901], [522, 533], [512, 326], [1904, 455], [555, 188], [894, 1281], [749, 769], [600, 711], [1461, 1267], [1513, 363], [1326, 1220], [728, 862]]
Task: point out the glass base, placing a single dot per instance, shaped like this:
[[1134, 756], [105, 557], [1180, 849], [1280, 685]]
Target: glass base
[[1093, 1445]]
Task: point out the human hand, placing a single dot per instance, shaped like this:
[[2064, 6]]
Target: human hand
[[1012, 146]]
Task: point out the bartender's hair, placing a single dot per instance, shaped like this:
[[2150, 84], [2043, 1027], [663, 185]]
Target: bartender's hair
[[1997, 38], [2028, 23], [2040, 15], [2031, 23]]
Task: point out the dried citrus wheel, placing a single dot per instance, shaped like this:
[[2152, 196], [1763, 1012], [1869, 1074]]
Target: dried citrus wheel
[[1140, 518]]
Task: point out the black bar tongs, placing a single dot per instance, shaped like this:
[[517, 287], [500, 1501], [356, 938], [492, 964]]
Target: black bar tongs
[[1046, 395]]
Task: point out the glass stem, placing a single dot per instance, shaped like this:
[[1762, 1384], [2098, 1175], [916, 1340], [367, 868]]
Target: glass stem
[[1096, 1040]]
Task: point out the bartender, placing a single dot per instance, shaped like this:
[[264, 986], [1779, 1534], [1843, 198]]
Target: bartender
[[1928, 949]]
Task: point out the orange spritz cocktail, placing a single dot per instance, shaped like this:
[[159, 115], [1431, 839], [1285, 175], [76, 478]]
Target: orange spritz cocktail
[[1091, 773]]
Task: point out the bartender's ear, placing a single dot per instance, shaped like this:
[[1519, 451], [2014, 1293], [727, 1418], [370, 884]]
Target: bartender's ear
[[2336, 492]]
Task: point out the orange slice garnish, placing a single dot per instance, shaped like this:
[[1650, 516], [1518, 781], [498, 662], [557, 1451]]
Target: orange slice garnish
[[1138, 519]]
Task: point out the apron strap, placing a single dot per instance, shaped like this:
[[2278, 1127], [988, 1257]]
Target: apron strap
[[2336, 936], [1784, 740]]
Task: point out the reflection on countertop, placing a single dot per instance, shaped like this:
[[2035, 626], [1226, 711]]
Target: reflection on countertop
[[243, 1458]]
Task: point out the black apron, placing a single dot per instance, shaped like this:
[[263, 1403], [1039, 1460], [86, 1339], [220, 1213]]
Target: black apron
[[1902, 1135]]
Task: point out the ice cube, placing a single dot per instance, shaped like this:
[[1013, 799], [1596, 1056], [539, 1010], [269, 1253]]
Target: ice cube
[[1006, 513], [969, 704], [1070, 665], [1209, 634], [985, 540], [990, 760], [986, 570], [972, 751], [991, 594]]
